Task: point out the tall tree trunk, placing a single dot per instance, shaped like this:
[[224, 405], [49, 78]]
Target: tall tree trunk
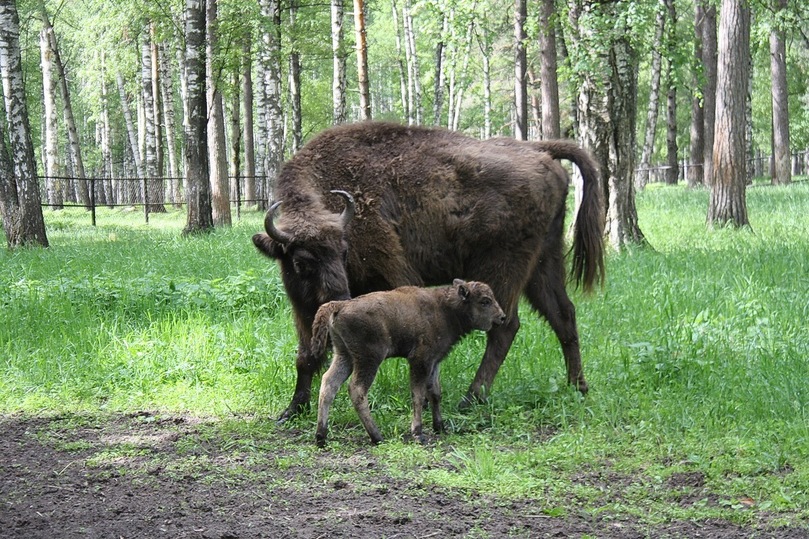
[[456, 89], [167, 100], [72, 131], [295, 79], [728, 200], [607, 112], [217, 154], [654, 98], [414, 104], [780, 100], [107, 169], [250, 195], [152, 184], [520, 69], [236, 142], [199, 215], [338, 84], [270, 58], [131, 130], [673, 165], [362, 59], [486, 47], [697, 132], [440, 71], [548, 80], [19, 190], [53, 181], [709, 61]]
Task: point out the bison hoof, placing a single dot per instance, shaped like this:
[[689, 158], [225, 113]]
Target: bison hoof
[[582, 387], [469, 401], [293, 411], [320, 440]]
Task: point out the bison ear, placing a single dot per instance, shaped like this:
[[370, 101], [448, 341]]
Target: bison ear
[[268, 246], [463, 290]]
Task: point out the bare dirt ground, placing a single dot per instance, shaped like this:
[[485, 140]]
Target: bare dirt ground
[[147, 476]]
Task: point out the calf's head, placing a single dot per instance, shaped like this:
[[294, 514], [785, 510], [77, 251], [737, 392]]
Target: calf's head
[[311, 249], [478, 304]]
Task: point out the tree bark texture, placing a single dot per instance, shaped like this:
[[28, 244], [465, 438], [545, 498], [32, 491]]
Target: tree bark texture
[[270, 58], [53, 184], [728, 202], [70, 121], [782, 173], [170, 123], [520, 70], [338, 84], [152, 183], [217, 152], [295, 79], [709, 89], [549, 85], [672, 161], [250, 194], [694, 173], [197, 181], [19, 188], [362, 59]]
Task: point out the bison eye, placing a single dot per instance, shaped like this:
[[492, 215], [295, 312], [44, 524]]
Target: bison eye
[[304, 267], [485, 302]]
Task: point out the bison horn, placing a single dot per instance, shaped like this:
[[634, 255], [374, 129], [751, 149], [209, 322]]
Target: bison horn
[[348, 212], [281, 237]]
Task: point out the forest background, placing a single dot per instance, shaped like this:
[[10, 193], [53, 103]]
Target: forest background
[[636, 82]]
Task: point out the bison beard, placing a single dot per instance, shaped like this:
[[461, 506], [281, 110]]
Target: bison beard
[[421, 206]]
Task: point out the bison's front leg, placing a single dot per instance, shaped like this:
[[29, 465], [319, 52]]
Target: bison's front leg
[[307, 365], [498, 342]]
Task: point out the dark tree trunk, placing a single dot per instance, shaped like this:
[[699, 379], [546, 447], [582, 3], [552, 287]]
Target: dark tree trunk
[[197, 181], [520, 71], [728, 201], [549, 85], [782, 171]]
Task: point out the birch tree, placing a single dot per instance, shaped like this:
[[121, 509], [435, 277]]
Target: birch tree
[[694, 174], [338, 85], [199, 215], [50, 138], [270, 68], [782, 171], [20, 201], [654, 97]]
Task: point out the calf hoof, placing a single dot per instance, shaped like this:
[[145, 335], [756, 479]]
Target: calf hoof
[[320, 440], [376, 440], [582, 387], [439, 427]]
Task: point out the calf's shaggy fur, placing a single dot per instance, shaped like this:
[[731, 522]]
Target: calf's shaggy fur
[[420, 324]]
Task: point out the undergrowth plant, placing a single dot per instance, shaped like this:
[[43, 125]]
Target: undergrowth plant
[[695, 351]]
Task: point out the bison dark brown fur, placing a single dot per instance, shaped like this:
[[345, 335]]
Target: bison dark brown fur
[[429, 205], [420, 324]]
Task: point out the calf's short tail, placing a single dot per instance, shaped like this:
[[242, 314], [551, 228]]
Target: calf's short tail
[[321, 325]]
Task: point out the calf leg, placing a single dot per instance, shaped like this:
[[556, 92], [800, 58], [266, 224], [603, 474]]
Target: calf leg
[[498, 342], [434, 396], [547, 294], [418, 388], [333, 378], [364, 375]]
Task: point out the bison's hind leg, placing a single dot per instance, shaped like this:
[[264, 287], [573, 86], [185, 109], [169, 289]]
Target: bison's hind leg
[[333, 378], [547, 294]]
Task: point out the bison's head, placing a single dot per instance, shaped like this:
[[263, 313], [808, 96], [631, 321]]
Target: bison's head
[[311, 249]]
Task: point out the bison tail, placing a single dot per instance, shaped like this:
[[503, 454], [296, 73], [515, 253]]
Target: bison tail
[[320, 327], [588, 230]]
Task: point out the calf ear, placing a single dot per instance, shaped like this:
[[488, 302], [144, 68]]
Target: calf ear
[[463, 290], [268, 246]]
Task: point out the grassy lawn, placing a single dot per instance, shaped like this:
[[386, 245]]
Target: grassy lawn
[[696, 352]]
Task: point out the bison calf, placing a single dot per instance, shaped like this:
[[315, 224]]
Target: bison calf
[[420, 324]]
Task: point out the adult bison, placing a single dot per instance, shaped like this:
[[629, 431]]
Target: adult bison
[[422, 206]]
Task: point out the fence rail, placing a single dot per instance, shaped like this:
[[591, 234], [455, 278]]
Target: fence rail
[[152, 194]]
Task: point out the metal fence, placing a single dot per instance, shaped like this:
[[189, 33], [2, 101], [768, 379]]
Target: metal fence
[[152, 195]]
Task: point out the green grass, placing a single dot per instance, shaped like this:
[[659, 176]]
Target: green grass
[[696, 351]]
